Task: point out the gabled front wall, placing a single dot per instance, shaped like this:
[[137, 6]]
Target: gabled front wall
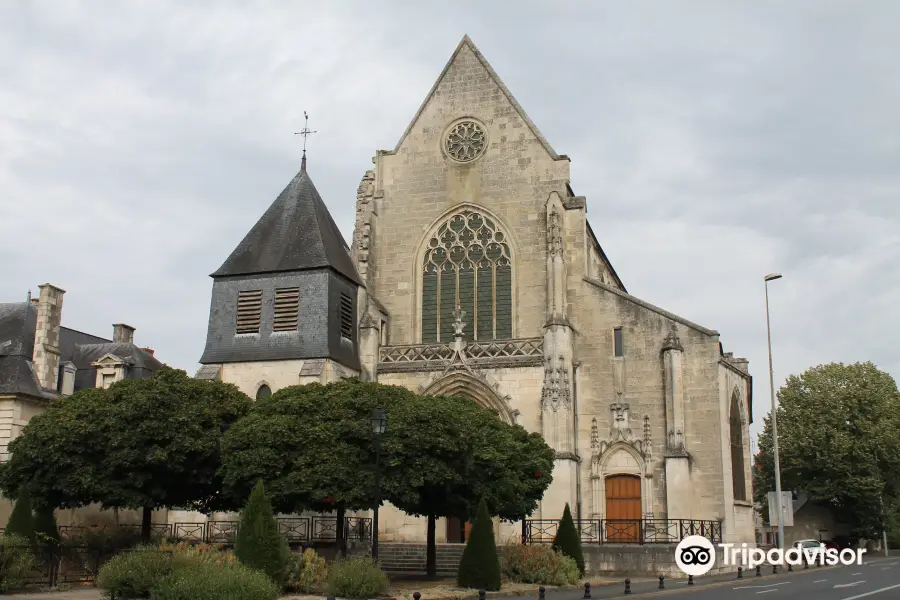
[[421, 185]]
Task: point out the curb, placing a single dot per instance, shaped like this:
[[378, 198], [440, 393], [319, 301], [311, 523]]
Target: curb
[[519, 593], [717, 584]]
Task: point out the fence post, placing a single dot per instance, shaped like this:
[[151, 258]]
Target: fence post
[[524, 531]]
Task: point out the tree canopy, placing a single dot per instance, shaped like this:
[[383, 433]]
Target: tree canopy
[[839, 441], [143, 443], [313, 446]]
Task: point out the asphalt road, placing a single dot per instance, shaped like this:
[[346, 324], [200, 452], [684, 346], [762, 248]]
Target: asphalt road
[[877, 578]]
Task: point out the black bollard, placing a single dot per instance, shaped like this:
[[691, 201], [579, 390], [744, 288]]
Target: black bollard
[[662, 582], [416, 595], [790, 568], [627, 586], [541, 593], [690, 580], [758, 571], [330, 597], [805, 563], [481, 594], [774, 569], [587, 589], [740, 572]]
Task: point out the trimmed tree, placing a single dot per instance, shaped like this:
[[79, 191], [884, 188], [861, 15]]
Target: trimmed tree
[[21, 520], [142, 444], [258, 543], [480, 566], [567, 540]]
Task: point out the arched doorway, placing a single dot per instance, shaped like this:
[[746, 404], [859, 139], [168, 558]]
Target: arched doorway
[[623, 508], [464, 385]]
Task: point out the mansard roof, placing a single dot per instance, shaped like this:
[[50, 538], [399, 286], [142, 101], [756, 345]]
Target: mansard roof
[[296, 233]]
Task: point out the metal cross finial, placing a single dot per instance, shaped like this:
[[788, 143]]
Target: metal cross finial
[[305, 132]]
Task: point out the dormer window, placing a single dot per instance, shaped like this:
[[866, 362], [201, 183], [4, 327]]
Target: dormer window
[[346, 317], [287, 309], [249, 311]]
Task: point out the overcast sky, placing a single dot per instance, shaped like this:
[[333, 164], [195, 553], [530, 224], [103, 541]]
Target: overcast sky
[[715, 142]]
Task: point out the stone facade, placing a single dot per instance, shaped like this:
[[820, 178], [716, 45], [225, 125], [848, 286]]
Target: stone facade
[[616, 385]]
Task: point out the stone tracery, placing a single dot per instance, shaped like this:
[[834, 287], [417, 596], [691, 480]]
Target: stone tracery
[[467, 263], [465, 141]]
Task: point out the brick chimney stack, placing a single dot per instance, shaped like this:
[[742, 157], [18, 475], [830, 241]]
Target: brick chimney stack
[[46, 335], [123, 334]]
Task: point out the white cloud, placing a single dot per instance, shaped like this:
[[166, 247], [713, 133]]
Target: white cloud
[[141, 141]]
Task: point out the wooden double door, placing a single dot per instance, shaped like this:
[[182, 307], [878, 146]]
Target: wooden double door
[[458, 530], [623, 509]]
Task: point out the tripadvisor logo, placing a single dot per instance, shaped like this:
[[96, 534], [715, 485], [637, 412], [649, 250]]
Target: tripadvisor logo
[[695, 555]]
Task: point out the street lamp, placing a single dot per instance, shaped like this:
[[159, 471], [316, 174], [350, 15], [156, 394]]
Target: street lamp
[[778, 507], [379, 424]]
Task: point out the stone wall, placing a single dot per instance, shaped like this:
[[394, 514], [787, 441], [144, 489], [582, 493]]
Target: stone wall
[[651, 560]]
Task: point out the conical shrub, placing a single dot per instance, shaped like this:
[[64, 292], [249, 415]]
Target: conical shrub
[[45, 526], [258, 543], [567, 540], [479, 567], [21, 521]]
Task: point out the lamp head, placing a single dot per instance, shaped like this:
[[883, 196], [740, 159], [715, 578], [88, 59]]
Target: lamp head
[[772, 277], [379, 421]]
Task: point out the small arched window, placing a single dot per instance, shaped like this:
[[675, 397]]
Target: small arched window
[[467, 264], [738, 476], [263, 392]]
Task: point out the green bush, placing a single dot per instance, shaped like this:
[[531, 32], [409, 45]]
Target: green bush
[[306, 573], [17, 562], [356, 578], [21, 521], [480, 567], [258, 543], [103, 540], [133, 574], [568, 540], [192, 555], [210, 582], [540, 565]]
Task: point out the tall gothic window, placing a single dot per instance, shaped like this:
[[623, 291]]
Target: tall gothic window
[[467, 263], [738, 477]]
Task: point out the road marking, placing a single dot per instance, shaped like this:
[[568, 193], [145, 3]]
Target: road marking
[[752, 587], [886, 568], [872, 593], [766, 592], [843, 585], [820, 580], [852, 574]]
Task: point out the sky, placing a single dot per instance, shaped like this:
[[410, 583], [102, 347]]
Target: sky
[[715, 142]]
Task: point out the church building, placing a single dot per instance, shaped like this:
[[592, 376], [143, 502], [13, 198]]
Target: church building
[[474, 271]]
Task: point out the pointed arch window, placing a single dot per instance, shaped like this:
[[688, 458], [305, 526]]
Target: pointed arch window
[[264, 391], [738, 476], [467, 263]]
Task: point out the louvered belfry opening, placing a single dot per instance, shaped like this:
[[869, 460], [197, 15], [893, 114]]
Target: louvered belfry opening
[[346, 317], [249, 311], [287, 309]]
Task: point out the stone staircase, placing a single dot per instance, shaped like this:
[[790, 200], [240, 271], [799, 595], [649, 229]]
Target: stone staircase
[[409, 558]]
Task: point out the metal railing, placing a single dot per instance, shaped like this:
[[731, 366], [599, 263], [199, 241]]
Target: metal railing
[[294, 529], [624, 531]]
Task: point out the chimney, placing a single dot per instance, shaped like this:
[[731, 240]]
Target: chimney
[[46, 336], [35, 302], [148, 351], [123, 334]]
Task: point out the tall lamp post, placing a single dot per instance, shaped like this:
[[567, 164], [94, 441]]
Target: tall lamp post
[[778, 507], [379, 424]]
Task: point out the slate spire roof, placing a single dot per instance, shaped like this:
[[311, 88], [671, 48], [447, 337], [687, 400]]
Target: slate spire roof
[[296, 233]]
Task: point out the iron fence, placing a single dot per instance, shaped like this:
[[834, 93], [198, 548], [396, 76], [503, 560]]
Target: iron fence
[[295, 529], [56, 564], [624, 531]]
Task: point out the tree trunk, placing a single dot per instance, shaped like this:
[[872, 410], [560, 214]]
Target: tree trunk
[[340, 531], [145, 523], [431, 549]]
